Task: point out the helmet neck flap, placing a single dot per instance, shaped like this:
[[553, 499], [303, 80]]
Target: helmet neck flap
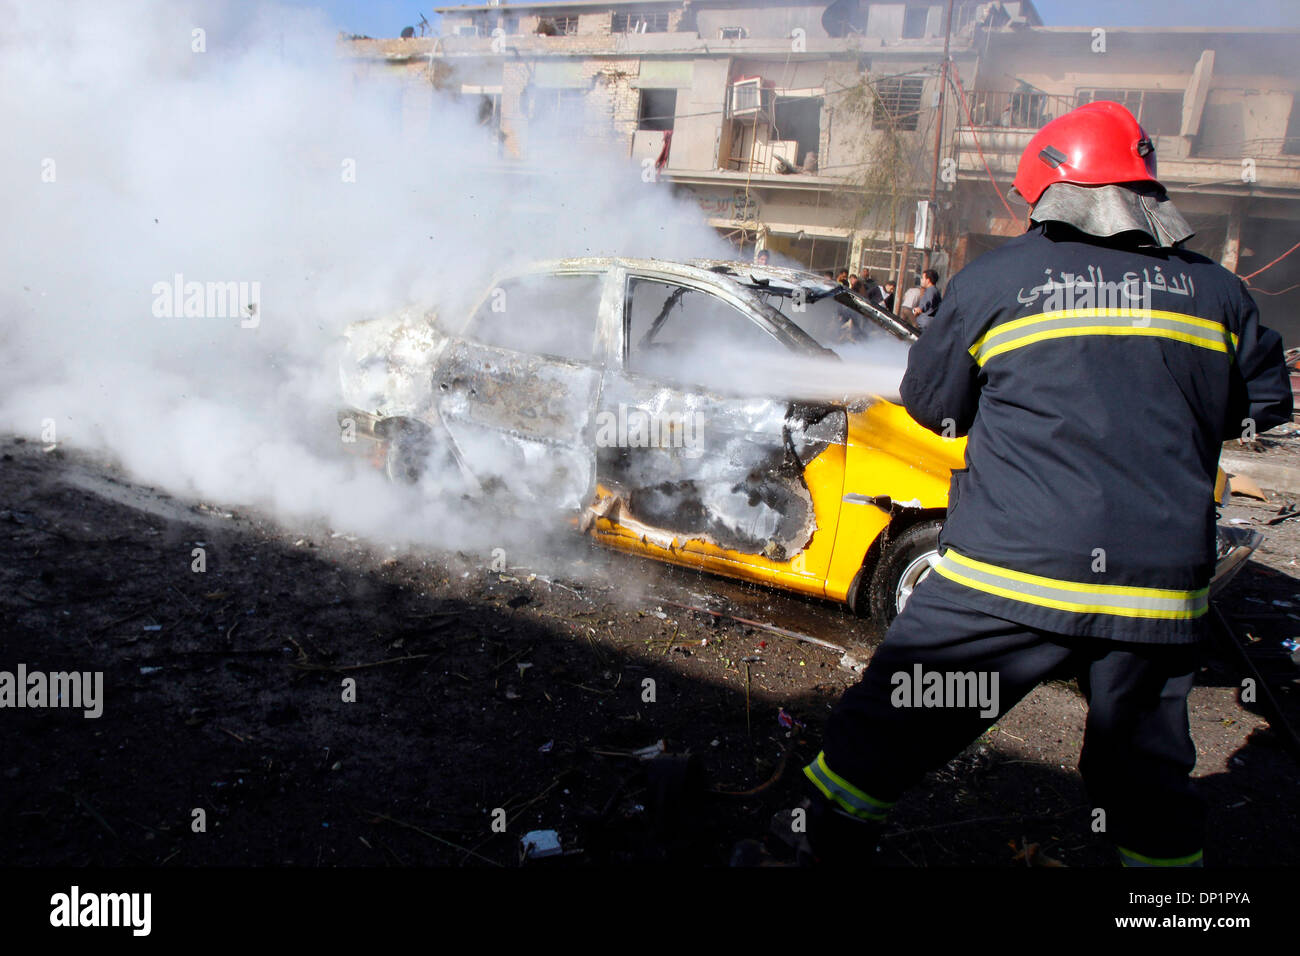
[[1109, 210]]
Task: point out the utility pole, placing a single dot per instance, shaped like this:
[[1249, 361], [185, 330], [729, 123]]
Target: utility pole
[[938, 127]]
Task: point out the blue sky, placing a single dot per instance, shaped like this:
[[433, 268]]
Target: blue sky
[[379, 18]]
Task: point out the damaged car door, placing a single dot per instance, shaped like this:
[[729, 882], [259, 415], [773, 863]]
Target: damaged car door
[[693, 456], [517, 389]]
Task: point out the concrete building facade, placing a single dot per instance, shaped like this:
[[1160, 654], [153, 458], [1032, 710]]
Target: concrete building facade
[[814, 129]]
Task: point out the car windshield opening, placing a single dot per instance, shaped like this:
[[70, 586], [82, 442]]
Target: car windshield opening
[[837, 320]]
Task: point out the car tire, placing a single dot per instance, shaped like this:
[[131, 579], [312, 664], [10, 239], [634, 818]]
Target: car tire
[[905, 562]]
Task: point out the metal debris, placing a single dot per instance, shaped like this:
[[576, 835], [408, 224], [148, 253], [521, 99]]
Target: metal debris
[[540, 844]]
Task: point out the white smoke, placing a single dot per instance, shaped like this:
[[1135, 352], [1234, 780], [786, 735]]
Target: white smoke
[[136, 163]]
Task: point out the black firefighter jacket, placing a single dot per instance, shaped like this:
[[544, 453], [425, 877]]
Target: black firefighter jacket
[[1096, 381]]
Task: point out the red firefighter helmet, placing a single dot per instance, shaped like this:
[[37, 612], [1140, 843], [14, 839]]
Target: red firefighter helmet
[[1095, 145]]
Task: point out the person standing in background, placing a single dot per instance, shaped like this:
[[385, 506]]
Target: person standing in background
[[928, 303], [910, 300]]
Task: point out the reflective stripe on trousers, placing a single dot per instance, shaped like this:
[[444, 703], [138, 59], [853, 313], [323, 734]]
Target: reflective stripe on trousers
[[1131, 859], [855, 802]]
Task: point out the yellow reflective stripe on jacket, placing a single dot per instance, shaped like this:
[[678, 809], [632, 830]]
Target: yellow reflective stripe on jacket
[[1129, 858], [1204, 333], [1073, 596], [853, 801]]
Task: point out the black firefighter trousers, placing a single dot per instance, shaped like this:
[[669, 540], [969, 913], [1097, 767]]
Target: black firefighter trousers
[[1137, 750]]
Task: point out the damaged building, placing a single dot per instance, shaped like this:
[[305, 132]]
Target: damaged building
[[821, 131]]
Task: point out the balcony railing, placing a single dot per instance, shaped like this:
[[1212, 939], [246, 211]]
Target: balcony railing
[[1029, 109]]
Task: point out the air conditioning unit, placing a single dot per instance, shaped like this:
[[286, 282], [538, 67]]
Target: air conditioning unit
[[749, 99], [923, 236], [469, 31]]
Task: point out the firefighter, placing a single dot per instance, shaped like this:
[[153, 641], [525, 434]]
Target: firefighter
[[1096, 367]]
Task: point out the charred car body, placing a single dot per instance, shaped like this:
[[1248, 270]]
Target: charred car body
[[644, 398]]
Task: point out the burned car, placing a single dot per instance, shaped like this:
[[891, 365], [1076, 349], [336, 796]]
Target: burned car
[[671, 410]]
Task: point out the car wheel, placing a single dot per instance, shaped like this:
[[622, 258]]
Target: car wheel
[[907, 561]]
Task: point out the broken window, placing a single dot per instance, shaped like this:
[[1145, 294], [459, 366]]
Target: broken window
[[658, 108], [914, 20], [555, 315], [558, 106], [732, 33], [1159, 111], [677, 333], [643, 22], [836, 320], [558, 26], [898, 102], [489, 111], [798, 119]]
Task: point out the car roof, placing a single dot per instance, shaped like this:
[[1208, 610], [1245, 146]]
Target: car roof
[[750, 276], [756, 275], [701, 270]]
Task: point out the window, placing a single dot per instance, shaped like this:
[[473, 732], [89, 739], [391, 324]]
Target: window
[[563, 107], [558, 26], [898, 102], [732, 33], [1159, 111], [639, 23], [658, 108], [748, 97], [914, 20], [836, 321], [880, 258], [799, 119], [488, 111], [964, 15], [554, 315], [675, 332], [467, 31]]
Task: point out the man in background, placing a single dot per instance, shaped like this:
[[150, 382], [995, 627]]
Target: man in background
[[887, 296], [869, 285], [911, 298], [928, 303]]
